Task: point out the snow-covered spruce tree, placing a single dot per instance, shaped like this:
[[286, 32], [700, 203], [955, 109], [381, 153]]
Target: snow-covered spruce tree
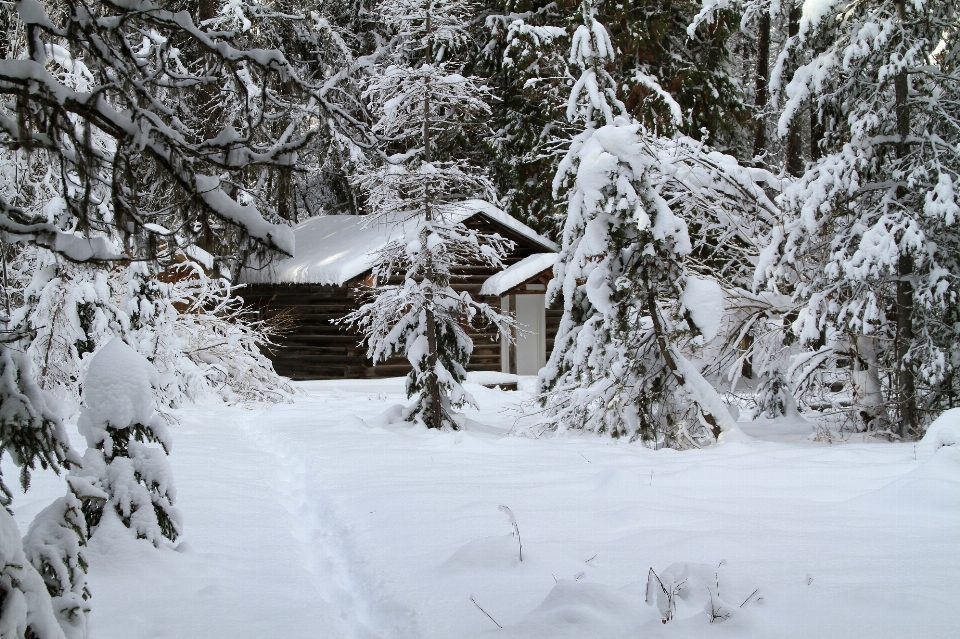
[[120, 472], [632, 302], [54, 546], [43, 582], [72, 310], [525, 63], [26, 609], [661, 67], [32, 433], [870, 243], [138, 177], [425, 106]]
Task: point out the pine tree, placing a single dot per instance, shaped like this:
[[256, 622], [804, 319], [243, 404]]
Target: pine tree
[[669, 76], [120, 472], [525, 62], [870, 240], [424, 105], [26, 609], [54, 546], [109, 136], [624, 271]]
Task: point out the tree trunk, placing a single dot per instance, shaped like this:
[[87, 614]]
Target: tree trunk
[[762, 86], [672, 364], [817, 131], [284, 194], [794, 151], [435, 419], [906, 376]]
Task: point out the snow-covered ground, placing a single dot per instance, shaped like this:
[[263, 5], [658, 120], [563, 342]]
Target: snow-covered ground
[[319, 519]]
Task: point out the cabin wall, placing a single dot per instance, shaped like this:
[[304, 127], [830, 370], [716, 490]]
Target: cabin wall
[[316, 348]]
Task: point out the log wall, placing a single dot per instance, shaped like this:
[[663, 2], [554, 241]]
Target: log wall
[[317, 348]]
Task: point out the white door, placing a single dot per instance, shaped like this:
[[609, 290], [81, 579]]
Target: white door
[[531, 345]]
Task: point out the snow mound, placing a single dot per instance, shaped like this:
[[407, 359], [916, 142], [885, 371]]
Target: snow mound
[[944, 464], [483, 555], [582, 609], [734, 436], [354, 423], [945, 431], [491, 377], [393, 415], [703, 298], [617, 481], [118, 387], [932, 489]]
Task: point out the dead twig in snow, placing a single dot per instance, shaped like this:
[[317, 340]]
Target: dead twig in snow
[[485, 612], [516, 528], [750, 596]]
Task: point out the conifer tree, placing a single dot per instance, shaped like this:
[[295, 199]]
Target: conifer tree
[[26, 609], [120, 471], [663, 69], [424, 104], [525, 62], [632, 303], [108, 131], [54, 545], [870, 240]]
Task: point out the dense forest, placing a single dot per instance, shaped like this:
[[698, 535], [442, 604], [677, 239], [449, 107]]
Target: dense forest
[[753, 199]]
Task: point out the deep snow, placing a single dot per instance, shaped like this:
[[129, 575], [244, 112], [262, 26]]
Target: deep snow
[[319, 519]]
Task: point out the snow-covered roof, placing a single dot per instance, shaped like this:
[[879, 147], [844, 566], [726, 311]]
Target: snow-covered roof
[[519, 273], [472, 207], [334, 249]]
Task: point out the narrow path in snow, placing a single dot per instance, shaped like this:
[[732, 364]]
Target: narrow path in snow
[[340, 581]]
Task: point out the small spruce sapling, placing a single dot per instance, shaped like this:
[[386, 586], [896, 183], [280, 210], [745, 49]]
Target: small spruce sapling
[[54, 546], [25, 606], [120, 471]]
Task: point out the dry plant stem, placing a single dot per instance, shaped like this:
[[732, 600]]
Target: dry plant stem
[[749, 597], [485, 612]]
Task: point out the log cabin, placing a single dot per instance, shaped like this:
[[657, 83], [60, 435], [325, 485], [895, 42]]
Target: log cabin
[[331, 271]]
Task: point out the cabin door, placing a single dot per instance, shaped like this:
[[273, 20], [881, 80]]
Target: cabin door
[[529, 354]]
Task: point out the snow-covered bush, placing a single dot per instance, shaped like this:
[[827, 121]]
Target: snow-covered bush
[[25, 606], [201, 338], [220, 342], [54, 546], [120, 470], [72, 310]]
